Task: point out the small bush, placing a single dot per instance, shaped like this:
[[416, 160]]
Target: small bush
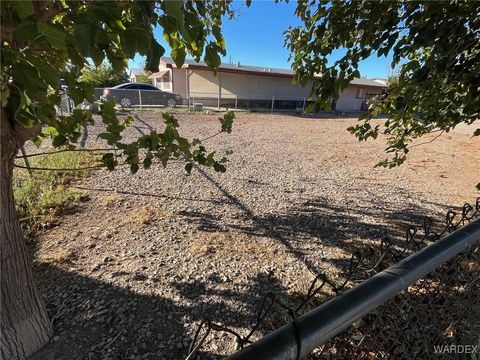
[[40, 198]]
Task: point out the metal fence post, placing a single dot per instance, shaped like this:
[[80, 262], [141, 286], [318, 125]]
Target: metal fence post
[[140, 98], [304, 100], [187, 82], [69, 110], [236, 101], [273, 102]]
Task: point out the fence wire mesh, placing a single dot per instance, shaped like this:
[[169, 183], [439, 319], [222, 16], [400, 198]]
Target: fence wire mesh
[[438, 317]]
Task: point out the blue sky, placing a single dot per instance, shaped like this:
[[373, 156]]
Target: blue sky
[[255, 37]]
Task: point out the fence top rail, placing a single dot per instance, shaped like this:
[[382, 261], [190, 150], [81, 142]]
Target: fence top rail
[[247, 96]]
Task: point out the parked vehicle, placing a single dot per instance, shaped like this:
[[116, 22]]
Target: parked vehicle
[[134, 94]]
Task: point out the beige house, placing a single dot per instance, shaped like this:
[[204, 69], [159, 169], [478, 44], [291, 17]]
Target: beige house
[[250, 86]]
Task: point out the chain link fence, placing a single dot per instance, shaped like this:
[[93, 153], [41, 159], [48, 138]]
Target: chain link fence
[[267, 102], [438, 317], [67, 105], [261, 103]]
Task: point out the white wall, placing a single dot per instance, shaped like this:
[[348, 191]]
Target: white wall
[[347, 100]]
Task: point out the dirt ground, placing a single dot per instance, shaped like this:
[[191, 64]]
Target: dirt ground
[[132, 271]]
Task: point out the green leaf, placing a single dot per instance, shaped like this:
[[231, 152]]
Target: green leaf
[[227, 122], [219, 167], [212, 58], [476, 132], [23, 8], [54, 36], [27, 75], [24, 113], [147, 162], [85, 37], [46, 71], [133, 41], [74, 56], [155, 52], [178, 55], [174, 8], [97, 56], [109, 161], [59, 140], [134, 168], [26, 32]]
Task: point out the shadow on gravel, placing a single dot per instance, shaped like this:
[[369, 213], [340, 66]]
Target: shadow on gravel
[[158, 196], [96, 320], [316, 224], [84, 138], [247, 298], [233, 200]]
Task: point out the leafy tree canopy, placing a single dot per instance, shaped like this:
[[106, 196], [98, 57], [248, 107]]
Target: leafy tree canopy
[[436, 45], [101, 76], [40, 38]]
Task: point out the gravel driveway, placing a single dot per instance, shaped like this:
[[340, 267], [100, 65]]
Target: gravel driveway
[[132, 271]]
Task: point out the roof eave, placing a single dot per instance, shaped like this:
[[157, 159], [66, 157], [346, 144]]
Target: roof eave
[[260, 73]]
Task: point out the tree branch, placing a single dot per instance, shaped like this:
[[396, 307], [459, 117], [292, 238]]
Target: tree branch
[[8, 29], [61, 151], [60, 169], [428, 142]]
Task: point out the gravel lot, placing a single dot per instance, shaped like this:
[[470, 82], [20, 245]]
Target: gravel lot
[[131, 272]]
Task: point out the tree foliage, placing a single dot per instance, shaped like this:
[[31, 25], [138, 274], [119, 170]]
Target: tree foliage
[[144, 74], [436, 45], [101, 76], [40, 38], [144, 77]]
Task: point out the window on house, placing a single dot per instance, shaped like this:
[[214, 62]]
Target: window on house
[[360, 93], [165, 78]]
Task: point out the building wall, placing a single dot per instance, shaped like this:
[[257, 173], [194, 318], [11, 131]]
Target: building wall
[[164, 83], [347, 100], [204, 87], [180, 82], [204, 82], [263, 87]]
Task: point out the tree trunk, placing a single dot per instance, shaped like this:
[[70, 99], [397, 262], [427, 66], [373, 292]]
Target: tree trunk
[[24, 323]]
